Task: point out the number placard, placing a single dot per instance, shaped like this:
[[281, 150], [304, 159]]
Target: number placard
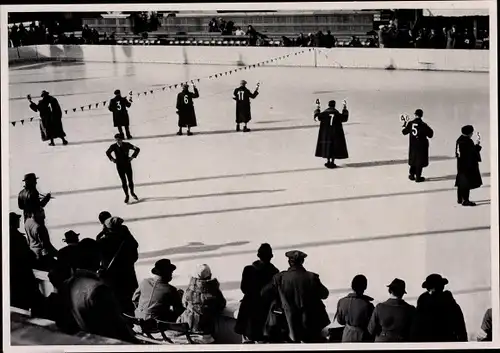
[[186, 100], [241, 95], [414, 129], [118, 105]]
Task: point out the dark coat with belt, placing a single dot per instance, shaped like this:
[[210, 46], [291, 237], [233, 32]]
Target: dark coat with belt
[[242, 96], [50, 118], [301, 294], [468, 158], [438, 318], [118, 106], [331, 137], [157, 299], [203, 301], [119, 251], [354, 312], [185, 108], [420, 133], [29, 201], [391, 321], [254, 308]]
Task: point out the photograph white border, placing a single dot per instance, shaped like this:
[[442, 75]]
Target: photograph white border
[[495, 242]]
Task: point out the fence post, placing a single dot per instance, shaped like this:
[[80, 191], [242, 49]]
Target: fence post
[[315, 58]]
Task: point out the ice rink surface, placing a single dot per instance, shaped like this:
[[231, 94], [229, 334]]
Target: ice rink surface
[[216, 196]]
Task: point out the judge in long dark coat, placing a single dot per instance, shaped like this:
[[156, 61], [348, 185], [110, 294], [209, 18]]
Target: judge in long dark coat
[[242, 96], [118, 106], [185, 108], [468, 156], [418, 156], [331, 138], [254, 308], [50, 118]]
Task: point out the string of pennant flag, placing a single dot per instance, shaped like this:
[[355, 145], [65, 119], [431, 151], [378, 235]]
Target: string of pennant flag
[[102, 104]]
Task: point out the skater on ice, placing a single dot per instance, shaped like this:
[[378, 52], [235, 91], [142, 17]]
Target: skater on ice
[[185, 108], [331, 138], [118, 106], [29, 199], [242, 97], [123, 160], [420, 133], [50, 118], [468, 156]]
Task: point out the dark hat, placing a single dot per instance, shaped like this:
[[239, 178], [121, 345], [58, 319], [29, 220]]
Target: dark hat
[[434, 280], [117, 92], [296, 255], [359, 283], [104, 215], [467, 129], [243, 82], [163, 266], [419, 113], [265, 250], [398, 284], [70, 236], [30, 176], [13, 217], [332, 103], [119, 136], [44, 93]]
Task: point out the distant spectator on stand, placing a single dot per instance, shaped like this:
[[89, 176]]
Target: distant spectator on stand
[[156, 298], [452, 38], [239, 32], [253, 35], [486, 334], [469, 39], [301, 40], [228, 29], [391, 320], [355, 42], [203, 301], [39, 241], [24, 292], [213, 26], [222, 25], [254, 308], [329, 40], [86, 34], [298, 296], [438, 317], [311, 40], [286, 42], [372, 41], [319, 40], [434, 40]]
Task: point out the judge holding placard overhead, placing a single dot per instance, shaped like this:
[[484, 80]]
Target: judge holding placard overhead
[[119, 107], [242, 96]]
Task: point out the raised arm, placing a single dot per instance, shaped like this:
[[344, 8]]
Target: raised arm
[[344, 116], [127, 102], [34, 106], [254, 94], [430, 132], [111, 106], [196, 93], [406, 129]]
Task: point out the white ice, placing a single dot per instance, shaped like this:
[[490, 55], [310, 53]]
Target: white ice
[[216, 196]]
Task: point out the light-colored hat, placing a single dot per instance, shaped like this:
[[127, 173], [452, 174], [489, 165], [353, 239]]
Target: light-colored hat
[[203, 272]]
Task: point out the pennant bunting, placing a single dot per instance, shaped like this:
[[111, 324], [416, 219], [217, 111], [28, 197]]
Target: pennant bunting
[[163, 88], [97, 105], [81, 108], [31, 119], [66, 111], [22, 122], [198, 80], [13, 123], [151, 91], [104, 103], [90, 106], [74, 110]]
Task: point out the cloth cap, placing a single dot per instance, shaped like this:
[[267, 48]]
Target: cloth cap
[[30, 177], [117, 92], [104, 215], [467, 129], [434, 280], [70, 236], [296, 255], [398, 285], [203, 272], [243, 82], [265, 250], [163, 266], [119, 136], [419, 113]]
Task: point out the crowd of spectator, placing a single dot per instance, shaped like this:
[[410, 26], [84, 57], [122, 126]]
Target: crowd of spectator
[[96, 287]]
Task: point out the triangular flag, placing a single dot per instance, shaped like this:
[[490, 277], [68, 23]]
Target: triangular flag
[[104, 103], [169, 87], [74, 110], [175, 86], [151, 91], [13, 123], [210, 77], [145, 93], [66, 111], [31, 119], [97, 105], [90, 106], [198, 80], [164, 88], [215, 76], [22, 122], [138, 94], [81, 108]]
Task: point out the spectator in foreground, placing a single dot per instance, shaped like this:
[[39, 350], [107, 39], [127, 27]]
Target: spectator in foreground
[[39, 241], [486, 334], [452, 38], [329, 40], [438, 317], [87, 303], [354, 312], [103, 216], [391, 320], [355, 42], [24, 292], [119, 251], [300, 294], [253, 309], [203, 301], [69, 254], [156, 298]]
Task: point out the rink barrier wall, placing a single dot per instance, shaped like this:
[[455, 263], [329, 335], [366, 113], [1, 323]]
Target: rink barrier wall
[[360, 58]]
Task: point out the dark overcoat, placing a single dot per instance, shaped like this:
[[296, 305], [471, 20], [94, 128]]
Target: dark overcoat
[[438, 318], [50, 118], [354, 312], [118, 106], [119, 251], [203, 301], [185, 108], [242, 95], [331, 137], [391, 321], [468, 157], [420, 133], [300, 294], [254, 308]]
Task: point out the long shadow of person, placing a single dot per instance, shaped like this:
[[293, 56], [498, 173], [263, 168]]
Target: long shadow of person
[[193, 247]]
